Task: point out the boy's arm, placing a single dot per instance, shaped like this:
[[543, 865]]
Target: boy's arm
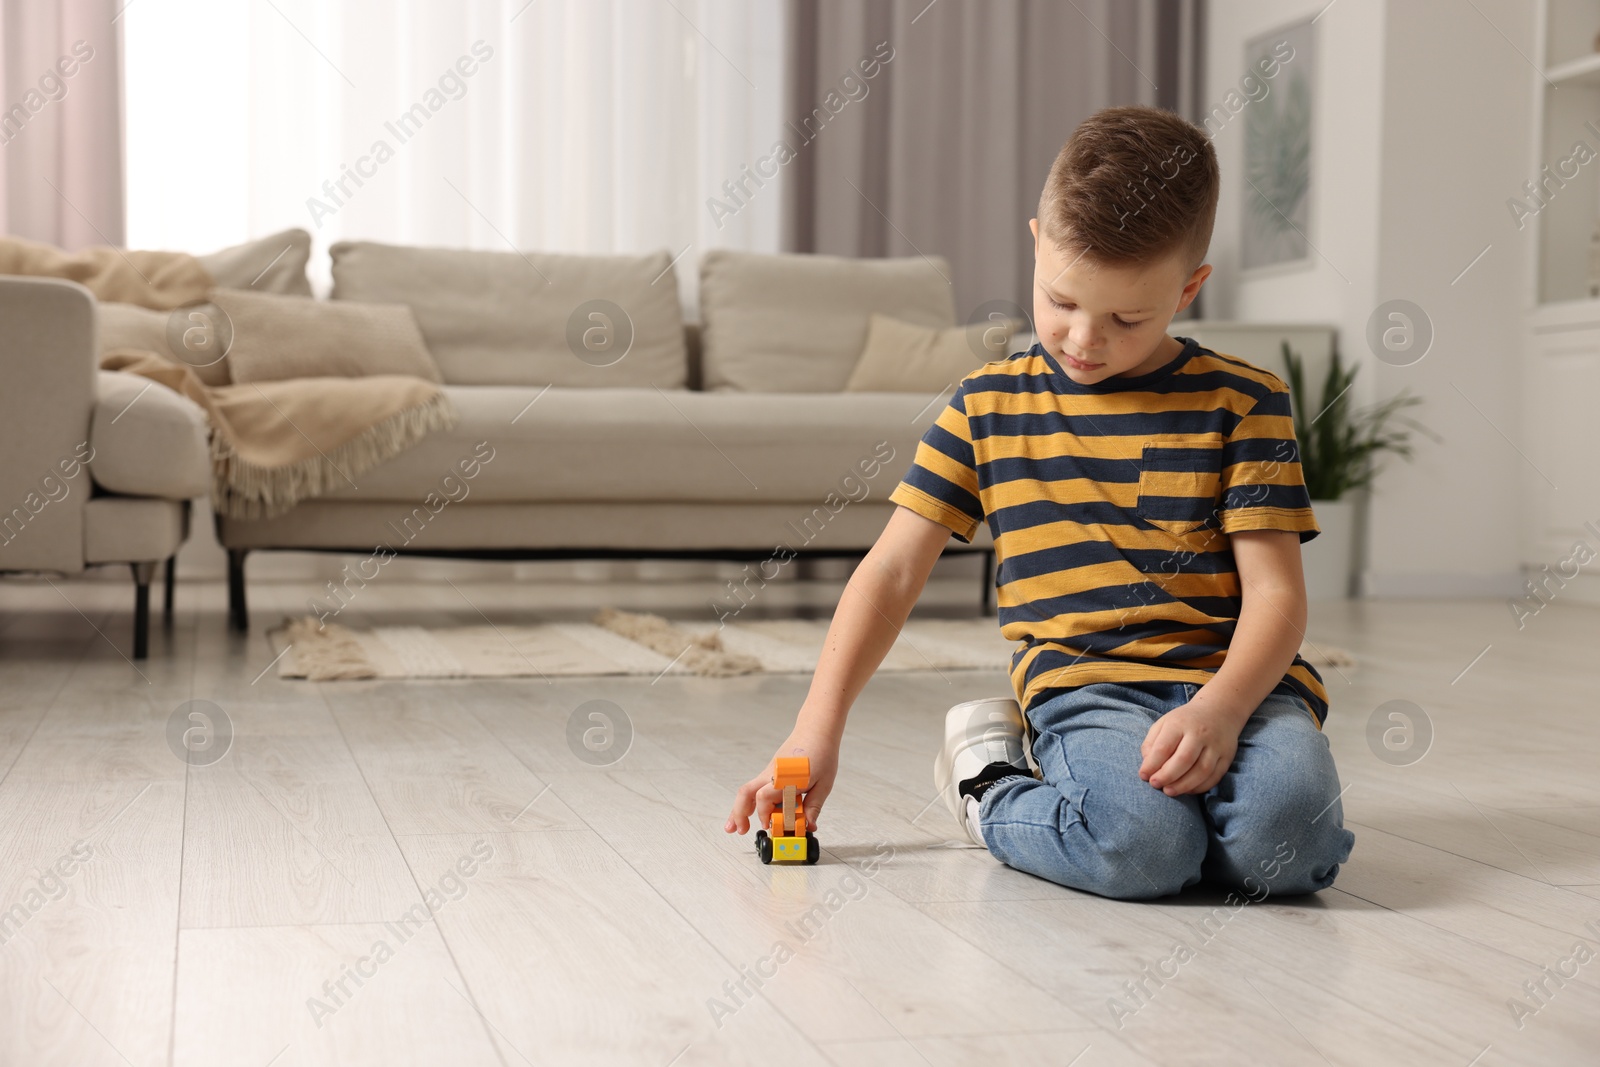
[[1190, 748], [874, 606]]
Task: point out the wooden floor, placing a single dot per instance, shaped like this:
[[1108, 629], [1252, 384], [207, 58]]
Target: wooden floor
[[394, 873]]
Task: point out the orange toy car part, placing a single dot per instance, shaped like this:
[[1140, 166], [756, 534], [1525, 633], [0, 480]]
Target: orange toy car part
[[790, 840], [792, 774]]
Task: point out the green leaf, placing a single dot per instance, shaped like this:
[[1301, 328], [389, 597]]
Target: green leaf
[[1342, 447]]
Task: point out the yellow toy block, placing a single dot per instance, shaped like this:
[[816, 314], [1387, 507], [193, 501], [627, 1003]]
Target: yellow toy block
[[789, 849]]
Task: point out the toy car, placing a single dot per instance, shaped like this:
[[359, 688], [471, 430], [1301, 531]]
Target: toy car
[[790, 841]]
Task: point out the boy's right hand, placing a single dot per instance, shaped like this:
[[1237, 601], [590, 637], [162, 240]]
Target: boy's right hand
[[759, 796]]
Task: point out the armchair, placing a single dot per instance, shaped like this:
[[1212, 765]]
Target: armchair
[[96, 467]]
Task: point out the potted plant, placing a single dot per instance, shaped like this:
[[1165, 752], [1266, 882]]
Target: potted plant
[[1341, 450]]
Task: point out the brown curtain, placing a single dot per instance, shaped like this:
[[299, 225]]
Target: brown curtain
[[61, 121], [944, 150]]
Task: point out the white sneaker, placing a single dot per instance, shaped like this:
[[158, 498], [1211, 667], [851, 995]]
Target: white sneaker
[[977, 734], [971, 822]]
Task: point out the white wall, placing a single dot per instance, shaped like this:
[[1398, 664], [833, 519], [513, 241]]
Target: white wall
[[1338, 286], [1420, 132], [1457, 135]]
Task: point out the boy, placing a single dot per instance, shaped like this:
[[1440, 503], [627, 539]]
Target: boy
[[1147, 508]]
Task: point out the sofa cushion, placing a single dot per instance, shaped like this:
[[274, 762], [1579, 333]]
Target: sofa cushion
[[195, 336], [656, 445], [797, 323], [360, 526], [272, 264], [147, 440], [513, 318], [277, 337], [900, 357]]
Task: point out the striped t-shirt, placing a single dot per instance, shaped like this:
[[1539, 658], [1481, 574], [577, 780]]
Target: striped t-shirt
[[1110, 506]]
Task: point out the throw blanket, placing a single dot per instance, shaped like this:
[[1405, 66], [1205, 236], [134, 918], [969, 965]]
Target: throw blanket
[[160, 280], [273, 443]]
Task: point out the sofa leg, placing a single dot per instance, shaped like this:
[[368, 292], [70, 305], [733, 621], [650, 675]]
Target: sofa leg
[[143, 573], [169, 588], [238, 613], [988, 582]]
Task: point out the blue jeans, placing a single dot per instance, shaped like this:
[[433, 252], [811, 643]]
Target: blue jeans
[[1272, 825]]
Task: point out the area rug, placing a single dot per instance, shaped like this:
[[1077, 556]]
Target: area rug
[[622, 642]]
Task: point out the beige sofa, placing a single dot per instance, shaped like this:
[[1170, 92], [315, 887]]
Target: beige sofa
[[96, 468], [595, 423]]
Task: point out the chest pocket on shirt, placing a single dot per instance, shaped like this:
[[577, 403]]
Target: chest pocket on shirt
[[1180, 482]]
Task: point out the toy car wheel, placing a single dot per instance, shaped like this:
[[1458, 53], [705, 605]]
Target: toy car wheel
[[763, 846], [813, 850]]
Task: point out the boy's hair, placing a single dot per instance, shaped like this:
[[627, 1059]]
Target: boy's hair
[[1132, 185]]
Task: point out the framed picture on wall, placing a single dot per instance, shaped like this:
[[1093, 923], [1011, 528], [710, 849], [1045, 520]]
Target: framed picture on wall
[[1278, 134]]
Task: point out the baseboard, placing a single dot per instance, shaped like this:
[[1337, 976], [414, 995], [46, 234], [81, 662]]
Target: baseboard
[[1583, 588]]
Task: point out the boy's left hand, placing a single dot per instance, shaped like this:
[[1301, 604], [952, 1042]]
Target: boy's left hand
[[1188, 750]]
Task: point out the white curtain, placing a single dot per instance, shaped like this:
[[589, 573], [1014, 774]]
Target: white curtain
[[592, 126], [60, 168]]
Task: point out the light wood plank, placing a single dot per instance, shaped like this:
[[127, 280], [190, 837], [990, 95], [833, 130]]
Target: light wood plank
[[1085, 955], [865, 964], [1460, 823], [601, 969], [1518, 915], [434, 769], [1072, 1048], [250, 997], [87, 961], [1393, 973], [283, 831]]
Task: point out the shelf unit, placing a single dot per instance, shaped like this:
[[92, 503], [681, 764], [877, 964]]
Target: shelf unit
[[1568, 95], [1561, 382]]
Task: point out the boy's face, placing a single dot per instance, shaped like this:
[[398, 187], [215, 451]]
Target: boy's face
[[1102, 322]]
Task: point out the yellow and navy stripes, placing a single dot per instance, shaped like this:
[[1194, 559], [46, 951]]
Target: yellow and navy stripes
[[1110, 505]]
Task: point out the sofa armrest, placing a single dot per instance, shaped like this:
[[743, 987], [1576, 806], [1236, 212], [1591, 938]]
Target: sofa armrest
[[148, 440], [47, 366]]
